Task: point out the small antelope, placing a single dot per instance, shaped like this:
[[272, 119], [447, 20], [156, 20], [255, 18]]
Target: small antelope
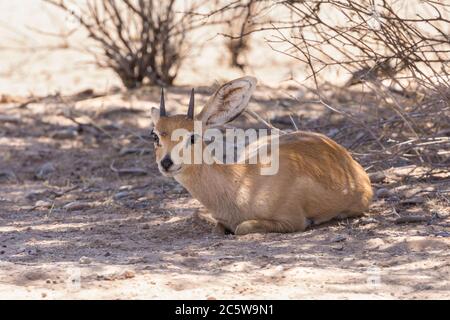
[[317, 179]]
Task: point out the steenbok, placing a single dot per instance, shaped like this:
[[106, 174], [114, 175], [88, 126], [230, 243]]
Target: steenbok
[[315, 179]]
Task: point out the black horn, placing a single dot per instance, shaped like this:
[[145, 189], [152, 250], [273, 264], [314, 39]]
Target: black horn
[[162, 105], [190, 113]]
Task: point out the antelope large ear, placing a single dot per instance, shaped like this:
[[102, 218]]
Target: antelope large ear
[[228, 102]]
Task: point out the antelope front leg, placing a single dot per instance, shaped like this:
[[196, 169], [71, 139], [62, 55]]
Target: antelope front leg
[[267, 226], [221, 229]]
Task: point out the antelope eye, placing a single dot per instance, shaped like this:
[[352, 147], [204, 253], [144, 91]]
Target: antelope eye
[[155, 137]]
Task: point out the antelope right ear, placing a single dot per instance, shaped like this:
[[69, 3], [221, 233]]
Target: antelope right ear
[[228, 102], [155, 114]]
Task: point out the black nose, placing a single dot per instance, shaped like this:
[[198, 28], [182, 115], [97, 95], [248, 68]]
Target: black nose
[[166, 163]]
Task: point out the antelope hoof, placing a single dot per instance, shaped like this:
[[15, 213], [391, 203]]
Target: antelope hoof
[[220, 229]]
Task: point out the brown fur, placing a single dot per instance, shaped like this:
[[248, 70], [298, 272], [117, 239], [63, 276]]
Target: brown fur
[[317, 181]]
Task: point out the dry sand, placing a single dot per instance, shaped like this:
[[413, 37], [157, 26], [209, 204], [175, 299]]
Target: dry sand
[[70, 227]]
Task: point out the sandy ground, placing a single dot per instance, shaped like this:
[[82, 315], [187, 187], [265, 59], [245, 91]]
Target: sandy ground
[[72, 227]]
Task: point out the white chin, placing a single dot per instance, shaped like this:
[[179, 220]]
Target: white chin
[[170, 173]]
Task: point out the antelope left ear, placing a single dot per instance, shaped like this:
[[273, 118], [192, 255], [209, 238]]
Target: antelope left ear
[[229, 101], [155, 115]]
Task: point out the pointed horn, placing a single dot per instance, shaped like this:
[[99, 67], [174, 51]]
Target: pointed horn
[[162, 105], [190, 113]]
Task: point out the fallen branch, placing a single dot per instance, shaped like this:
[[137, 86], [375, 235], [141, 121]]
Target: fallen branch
[[130, 171], [411, 219]]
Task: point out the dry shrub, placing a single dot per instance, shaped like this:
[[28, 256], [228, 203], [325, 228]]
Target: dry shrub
[[141, 40], [240, 25], [395, 55]]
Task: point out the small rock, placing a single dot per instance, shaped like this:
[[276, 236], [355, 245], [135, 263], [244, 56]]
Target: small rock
[[107, 254], [279, 269], [106, 277], [178, 189], [136, 260], [11, 119], [8, 174], [65, 134], [43, 295], [332, 132], [443, 234], [375, 243], [85, 260], [43, 204], [128, 274], [377, 177], [125, 188], [150, 195], [348, 259], [338, 238], [32, 195], [48, 281], [36, 194], [383, 193], [121, 195], [33, 251], [368, 220], [146, 226], [77, 205], [45, 171], [394, 198]]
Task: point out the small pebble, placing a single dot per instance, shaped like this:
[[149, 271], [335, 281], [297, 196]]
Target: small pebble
[[43, 204], [279, 269], [368, 220], [77, 205], [121, 195], [45, 171], [128, 274], [383, 193], [348, 259], [178, 189], [85, 260], [64, 134], [377, 177], [338, 238]]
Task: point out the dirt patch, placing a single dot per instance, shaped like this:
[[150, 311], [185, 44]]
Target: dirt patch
[[73, 225]]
